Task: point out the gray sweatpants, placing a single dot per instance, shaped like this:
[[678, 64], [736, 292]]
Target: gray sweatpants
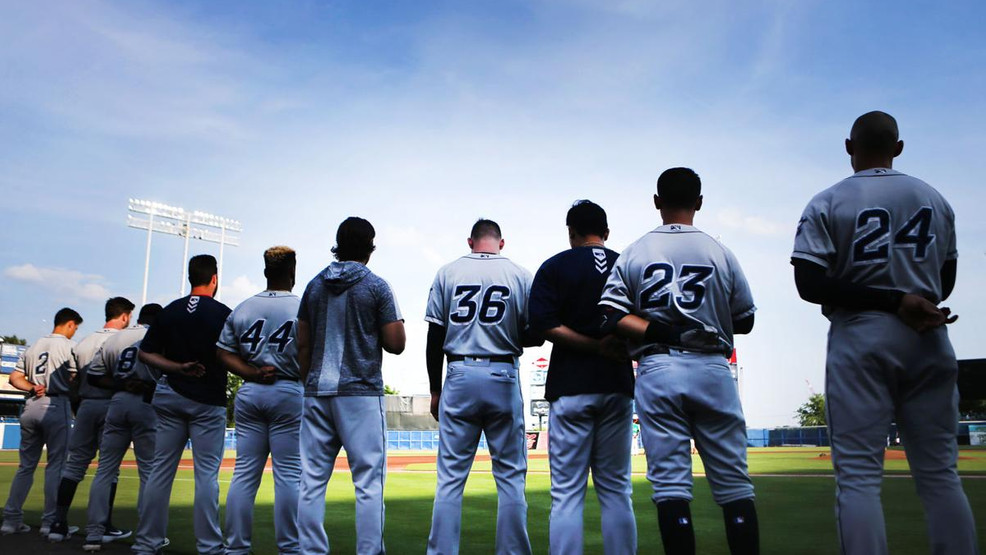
[[84, 438], [181, 419], [591, 431], [359, 424], [683, 396], [481, 396], [268, 419], [128, 418], [879, 370], [44, 423]]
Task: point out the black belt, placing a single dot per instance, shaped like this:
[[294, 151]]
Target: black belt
[[287, 379], [666, 349], [495, 358]]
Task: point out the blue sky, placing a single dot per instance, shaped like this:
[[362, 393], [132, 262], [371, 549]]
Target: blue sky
[[423, 116]]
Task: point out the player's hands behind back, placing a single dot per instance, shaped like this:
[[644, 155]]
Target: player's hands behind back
[[921, 315], [39, 390], [191, 369]]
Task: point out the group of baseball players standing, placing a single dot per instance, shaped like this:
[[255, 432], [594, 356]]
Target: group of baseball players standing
[[877, 251]]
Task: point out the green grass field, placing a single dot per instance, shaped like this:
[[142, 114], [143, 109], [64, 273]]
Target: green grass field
[[796, 513]]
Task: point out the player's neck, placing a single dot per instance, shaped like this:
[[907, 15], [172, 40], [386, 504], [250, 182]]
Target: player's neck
[[115, 324], [677, 216], [486, 246], [202, 291], [587, 241], [864, 164], [280, 285]]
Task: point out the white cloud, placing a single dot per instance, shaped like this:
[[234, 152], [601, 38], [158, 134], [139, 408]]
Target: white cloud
[[242, 287], [66, 283], [734, 218]]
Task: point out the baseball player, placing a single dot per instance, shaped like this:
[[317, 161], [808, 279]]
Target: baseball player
[[877, 251], [130, 417], [477, 316], [89, 418], [46, 370], [190, 402], [348, 316], [589, 386], [258, 344], [680, 296]]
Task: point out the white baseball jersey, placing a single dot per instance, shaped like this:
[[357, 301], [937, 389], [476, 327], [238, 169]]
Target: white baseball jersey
[[118, 358], [50, 363], [262, 330], [882, 229], [481, 300], [679, 275], [85, 352]]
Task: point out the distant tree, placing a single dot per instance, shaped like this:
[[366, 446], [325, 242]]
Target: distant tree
[[233, 383], [13, 339], [812, 413], [387, 390]]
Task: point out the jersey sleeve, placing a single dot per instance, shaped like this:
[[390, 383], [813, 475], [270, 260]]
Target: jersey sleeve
[[616, 292], [951, 247], [436, 311], [813, 240], [228, 339], [525, 316], [543, 303], [71, 365], [21, 365], [740, 298], [387, 309]]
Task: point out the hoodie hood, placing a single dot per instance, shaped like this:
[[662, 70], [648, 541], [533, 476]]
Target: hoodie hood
[[339, 276]]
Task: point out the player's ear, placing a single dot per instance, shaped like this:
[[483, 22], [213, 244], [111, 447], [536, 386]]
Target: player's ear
[[657, 203], [698, 203], [898, 148], [469, 242], [606, 235], [849, 148], [266, 274], [501, 244]]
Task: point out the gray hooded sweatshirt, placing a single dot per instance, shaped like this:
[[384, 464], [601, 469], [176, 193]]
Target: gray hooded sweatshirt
[[345, 306]]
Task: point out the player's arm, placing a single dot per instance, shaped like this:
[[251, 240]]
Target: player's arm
[[434, 361], [235, 364], [743, 325], [816, 286], [393, 338], [19, 380], [949, 270], [304, 339]]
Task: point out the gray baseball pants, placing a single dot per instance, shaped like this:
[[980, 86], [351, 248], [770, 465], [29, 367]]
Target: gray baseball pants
[[481, 396], [684, 395], [591, 431], [128, 419], [268, 420], [84, 438], [879, 370], [359, 424], [181, 419], [44, 422]]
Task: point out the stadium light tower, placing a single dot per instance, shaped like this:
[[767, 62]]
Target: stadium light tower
[[171, 220]]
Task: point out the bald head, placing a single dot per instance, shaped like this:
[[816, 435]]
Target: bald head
[[874, 133], [873, 141]]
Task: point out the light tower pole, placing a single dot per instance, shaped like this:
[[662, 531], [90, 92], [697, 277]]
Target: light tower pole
[[172, 220]]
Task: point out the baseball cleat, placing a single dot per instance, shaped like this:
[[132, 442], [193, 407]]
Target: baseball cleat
[[11, 528], [114, 533], [92, 545], [58, 531]]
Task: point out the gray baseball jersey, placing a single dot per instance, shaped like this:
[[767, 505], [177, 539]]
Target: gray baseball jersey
[[678, 275], [118, 357], [262, 330], [481, 300], [84, 353], [50, 363], [880, 228]]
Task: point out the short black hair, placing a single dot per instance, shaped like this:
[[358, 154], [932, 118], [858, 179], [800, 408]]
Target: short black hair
[[354, 240], [875, 132], [485, 228], [279, 262], [201, 268], [148, 313], [118, 306], [587, 218], [679, 188], [67, 315]]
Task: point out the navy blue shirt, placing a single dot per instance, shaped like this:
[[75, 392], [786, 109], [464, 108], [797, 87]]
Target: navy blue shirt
[[187, 331], [566, 292]]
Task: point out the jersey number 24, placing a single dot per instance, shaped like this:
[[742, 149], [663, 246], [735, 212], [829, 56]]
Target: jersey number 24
[[873, 246]]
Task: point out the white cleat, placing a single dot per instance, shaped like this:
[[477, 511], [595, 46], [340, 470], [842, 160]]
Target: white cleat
[[11, 528]]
